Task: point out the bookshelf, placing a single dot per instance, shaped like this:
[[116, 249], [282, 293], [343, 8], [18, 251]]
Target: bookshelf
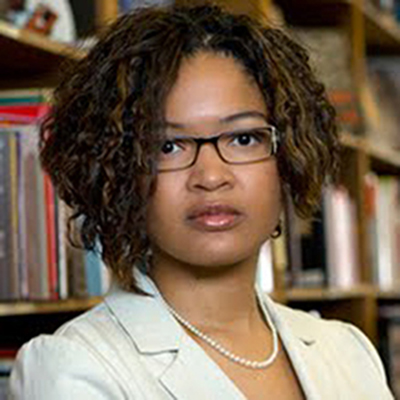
[[47, 307], [28, 59], [370, 32], [382, 33], [328, 294]]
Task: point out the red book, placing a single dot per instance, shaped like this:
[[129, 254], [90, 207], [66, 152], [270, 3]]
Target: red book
[[51, 237], [23, 113], [8, 353]]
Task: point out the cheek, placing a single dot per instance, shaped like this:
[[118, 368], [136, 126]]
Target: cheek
[[264, 196], [164, 205]]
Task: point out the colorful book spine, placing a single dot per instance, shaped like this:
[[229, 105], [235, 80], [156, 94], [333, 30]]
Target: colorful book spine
[[51, 237], [14, 262], [5, 223]]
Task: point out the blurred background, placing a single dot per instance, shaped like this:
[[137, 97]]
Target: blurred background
[[343, 263]]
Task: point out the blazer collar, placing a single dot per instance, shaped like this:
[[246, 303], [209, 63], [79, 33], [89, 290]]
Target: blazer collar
[[303, 338], [154, 330], [145, 318]]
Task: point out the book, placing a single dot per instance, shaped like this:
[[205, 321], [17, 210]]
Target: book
[[61, 240], [323, 251], [293, 244], [330, 57], [265, 269], [6, 247], [387, 221], [341, 238], [36, 261], [128, 5], [35, 214], [63, 29], [51, 236], [382, 204], [14, 265], [26, 96], [382, 100]]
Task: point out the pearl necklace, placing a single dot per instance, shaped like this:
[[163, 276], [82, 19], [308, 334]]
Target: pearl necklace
[[228, 354]]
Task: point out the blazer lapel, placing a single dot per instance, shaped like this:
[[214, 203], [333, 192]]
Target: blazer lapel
[[301, 337], [184, 370], [194, 376]]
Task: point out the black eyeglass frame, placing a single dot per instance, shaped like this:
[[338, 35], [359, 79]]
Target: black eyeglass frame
[[214, 140]]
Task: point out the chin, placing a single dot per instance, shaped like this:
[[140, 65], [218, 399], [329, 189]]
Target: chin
[[212, 261]]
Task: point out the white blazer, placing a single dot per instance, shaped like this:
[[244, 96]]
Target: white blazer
[[130, 347]]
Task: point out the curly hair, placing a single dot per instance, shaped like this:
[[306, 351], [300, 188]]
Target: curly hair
[[101, 140]]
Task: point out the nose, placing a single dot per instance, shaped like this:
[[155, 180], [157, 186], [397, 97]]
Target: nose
[[210, 172]]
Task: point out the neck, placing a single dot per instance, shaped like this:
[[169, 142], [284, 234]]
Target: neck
[[213, 300]]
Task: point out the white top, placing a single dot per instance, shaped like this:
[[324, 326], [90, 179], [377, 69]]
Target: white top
[[130, 347]]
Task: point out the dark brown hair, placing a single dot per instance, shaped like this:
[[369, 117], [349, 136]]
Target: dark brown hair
[[101, 140]]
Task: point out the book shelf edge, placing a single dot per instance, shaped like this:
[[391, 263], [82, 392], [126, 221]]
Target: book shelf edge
[[39, 42], [328, 294], [47, 307]]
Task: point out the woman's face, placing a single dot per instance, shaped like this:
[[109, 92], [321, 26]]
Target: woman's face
[[213, 214]]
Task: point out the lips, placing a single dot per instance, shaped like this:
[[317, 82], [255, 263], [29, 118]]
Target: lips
[[214, 217]]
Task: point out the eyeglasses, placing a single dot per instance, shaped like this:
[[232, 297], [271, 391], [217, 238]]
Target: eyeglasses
[[240, 147]]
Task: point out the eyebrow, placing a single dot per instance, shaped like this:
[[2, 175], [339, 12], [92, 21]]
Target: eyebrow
[[225, 120]]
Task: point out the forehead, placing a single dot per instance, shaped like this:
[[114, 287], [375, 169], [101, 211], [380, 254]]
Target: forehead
[[209, 88]]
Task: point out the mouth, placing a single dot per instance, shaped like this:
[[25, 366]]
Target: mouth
[[214, 218]]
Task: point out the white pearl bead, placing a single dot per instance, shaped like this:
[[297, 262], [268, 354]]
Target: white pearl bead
[[217, 346]]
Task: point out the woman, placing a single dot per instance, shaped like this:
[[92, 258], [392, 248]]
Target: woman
[[176, 140]]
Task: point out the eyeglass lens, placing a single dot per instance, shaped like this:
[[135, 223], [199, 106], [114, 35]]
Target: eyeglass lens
[[241, 147]]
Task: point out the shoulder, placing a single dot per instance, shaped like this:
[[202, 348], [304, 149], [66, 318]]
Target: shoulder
[[70, 360], [50, 367], [338, 336]]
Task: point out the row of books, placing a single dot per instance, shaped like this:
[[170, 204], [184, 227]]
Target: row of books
[[382, 100], [373, 111], [331, 58], [389, 7], [128, 5], [382, 197], [323, 251], [36, 261]]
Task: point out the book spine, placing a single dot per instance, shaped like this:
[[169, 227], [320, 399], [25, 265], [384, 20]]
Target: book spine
[[93, 273], [22, 233], [5, 242], [32, 237], [293, 244], [61, 248], [51, 237], [43, 274], [14, 262]]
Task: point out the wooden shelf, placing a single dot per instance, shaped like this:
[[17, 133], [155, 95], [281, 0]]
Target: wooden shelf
[[392, 294], [384, 159], [381, 30], [328, 294], [352, 142], [47, 307], [315, 12], [24, 53]]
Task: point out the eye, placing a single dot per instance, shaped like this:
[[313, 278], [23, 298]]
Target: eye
[[170, 147], [246, 139]]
